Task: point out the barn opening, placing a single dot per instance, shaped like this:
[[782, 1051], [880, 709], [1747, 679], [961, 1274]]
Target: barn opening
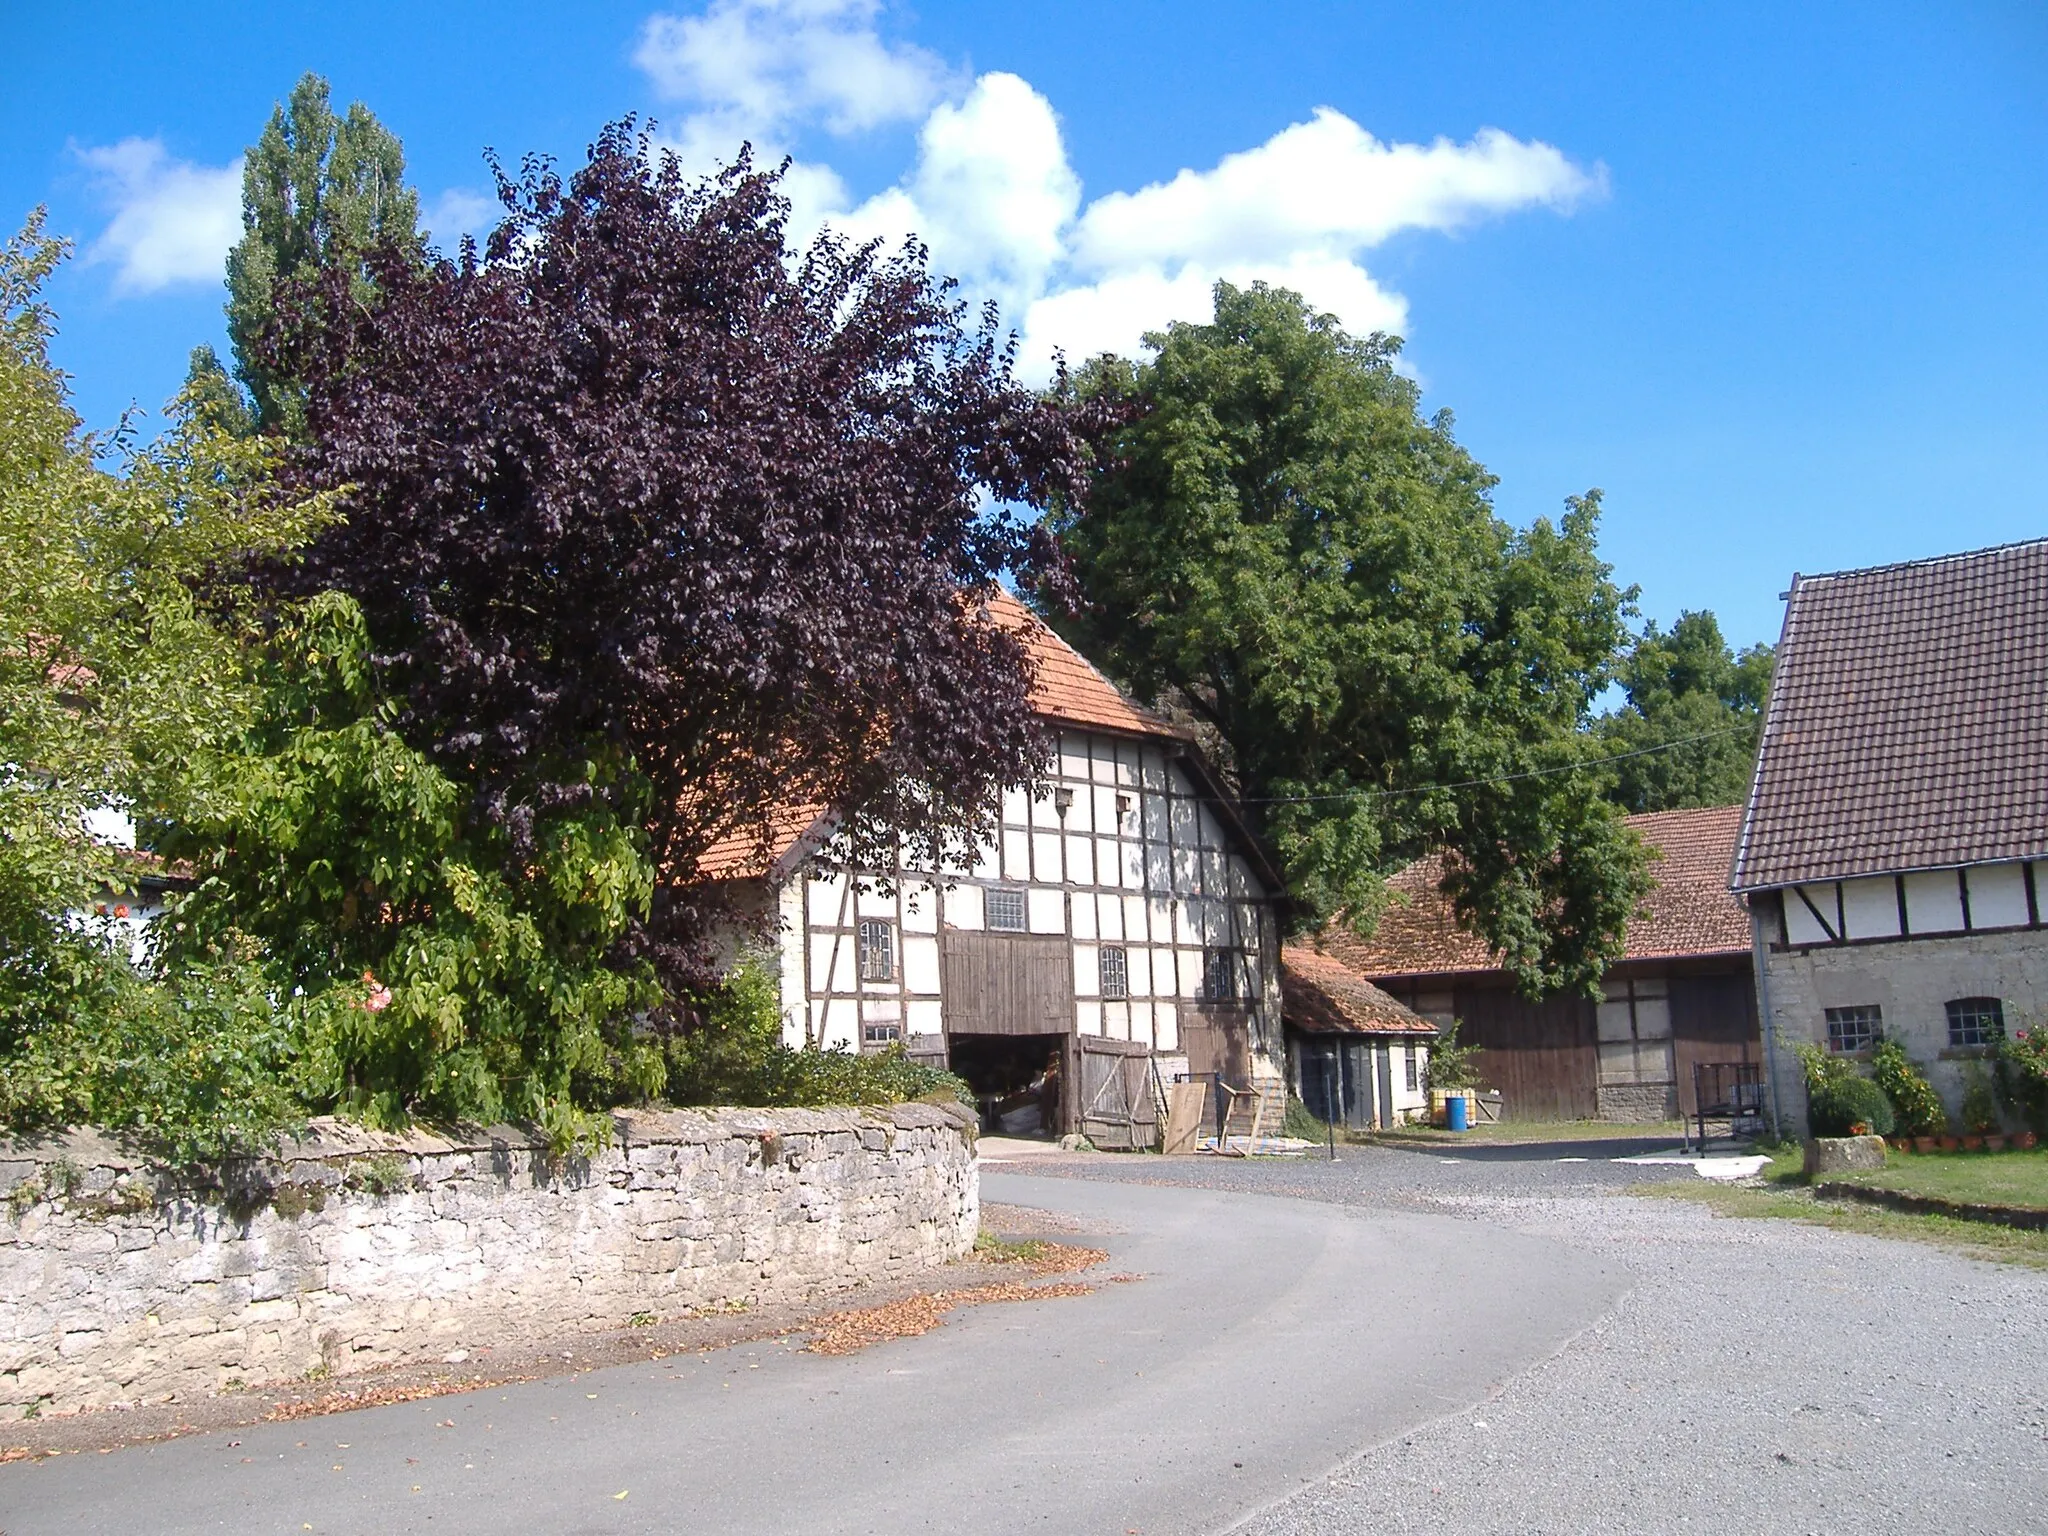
[[1006, 1073]]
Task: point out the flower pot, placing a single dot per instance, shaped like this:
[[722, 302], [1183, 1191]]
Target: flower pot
[[2025, 1141], [1973, 1143], [1950, 1143], [1994, 1143], [1926, 1143]]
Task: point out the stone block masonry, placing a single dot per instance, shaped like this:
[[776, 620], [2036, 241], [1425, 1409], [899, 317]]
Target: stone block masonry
[[350, 1249]]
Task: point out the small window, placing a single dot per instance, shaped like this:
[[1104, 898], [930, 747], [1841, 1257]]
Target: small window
[[877, 950], [1854, 1029], [1116, 973], [1219, 974], [1974, 1021], [1414, 1075], [1006, 910], [879, 1036]]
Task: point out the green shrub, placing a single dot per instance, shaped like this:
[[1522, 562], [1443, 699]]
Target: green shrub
[[190, 1069], [1916, 1107], [1823, 1068], [1980, 1102], [735, 1055], [2023, 1073], [1849, 1106], [1302, 1121], [1451, 1066]]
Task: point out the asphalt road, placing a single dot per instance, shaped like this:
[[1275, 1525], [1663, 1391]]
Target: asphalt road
[[1270, 1340]]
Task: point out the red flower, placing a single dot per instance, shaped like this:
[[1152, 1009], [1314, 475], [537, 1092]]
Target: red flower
[[121, 909]]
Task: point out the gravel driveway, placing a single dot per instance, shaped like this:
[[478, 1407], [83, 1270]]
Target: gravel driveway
[[1761, 1376]]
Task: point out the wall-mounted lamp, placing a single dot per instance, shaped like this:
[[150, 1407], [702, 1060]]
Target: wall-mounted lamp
[[1062, 802]]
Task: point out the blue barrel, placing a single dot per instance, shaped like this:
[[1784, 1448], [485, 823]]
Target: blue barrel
[[1454, 1113]]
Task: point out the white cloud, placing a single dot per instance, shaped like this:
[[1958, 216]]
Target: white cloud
[[759, 67], [458, 212], [1114, 313], [174, 222], [993, 196], [1325, 184]]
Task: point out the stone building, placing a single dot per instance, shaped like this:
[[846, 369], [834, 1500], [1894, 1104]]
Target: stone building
[[1683, 992], [1122, 927], [1892, 851]]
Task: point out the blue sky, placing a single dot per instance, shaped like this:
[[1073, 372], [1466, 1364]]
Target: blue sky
[[1770, 275]]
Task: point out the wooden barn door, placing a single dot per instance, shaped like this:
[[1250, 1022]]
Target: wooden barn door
[[1006, 984], [1116, 1103], [1540, 1057]]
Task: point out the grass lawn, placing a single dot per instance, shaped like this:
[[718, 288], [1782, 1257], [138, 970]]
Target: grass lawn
[[1515, 1132], [1982, 1178], [1782, 1194]]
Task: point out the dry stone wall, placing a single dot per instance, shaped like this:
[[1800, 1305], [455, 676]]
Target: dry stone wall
[[350, 1249]]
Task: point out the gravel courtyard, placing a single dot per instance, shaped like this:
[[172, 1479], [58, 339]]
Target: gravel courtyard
[[1762, 1376]]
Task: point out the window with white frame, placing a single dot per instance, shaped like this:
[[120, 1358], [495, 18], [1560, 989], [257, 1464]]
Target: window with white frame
[[1006, 909], [1116, 973], [1975, 1021], [877, 950], [1414, 1072], [1854, 1029]]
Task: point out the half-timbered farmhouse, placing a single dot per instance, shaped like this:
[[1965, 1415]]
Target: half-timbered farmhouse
[[1894, 851], [1682, 994], [1120, 931]]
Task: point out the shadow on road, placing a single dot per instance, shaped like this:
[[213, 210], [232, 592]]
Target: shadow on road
[[1603, 1149]]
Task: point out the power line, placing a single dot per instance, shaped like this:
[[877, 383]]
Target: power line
[[1506, 778]]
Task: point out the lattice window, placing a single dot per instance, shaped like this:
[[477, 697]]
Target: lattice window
[[1220, 967], [877, 950], [1854, 1029], [1116, 973], [880, 1034], [1413, 1074], [1975, 1021], [1006, 910]]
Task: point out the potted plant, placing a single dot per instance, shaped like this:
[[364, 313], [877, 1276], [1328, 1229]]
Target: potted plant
[[1916, 1107], [1980, 1107]]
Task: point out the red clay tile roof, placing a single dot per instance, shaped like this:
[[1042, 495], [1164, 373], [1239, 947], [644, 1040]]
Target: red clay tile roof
[[1908, 722], [1320, 995], [1690, 912], [1065, 689], [749, 853]]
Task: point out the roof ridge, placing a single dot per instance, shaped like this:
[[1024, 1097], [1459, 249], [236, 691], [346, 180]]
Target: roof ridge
[[1907, 565]]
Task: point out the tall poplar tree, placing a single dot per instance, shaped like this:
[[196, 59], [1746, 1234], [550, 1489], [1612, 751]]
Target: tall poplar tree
[[317, 190]]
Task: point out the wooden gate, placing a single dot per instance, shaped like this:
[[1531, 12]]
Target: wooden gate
[[1117, 1106], [1006, 984]]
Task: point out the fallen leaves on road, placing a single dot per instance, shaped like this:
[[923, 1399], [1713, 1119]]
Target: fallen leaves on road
[[846, 1333]]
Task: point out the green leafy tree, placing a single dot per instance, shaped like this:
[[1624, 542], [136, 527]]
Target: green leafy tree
[[1278, 544], [113, 676], [429, 972], [318, 191], [1694, 714]]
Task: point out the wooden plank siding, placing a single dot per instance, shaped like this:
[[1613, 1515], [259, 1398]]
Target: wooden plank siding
[[1006, 983], [1543, 1057]]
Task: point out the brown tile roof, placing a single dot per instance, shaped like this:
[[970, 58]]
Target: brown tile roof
[[1908, 722], [1321, 995], [1065, 689], [1690, 912]]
